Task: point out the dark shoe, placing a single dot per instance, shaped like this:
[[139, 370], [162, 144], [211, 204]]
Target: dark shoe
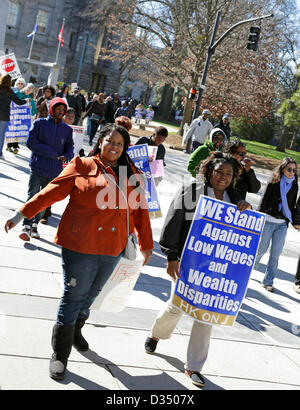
[[44, 221], [196, 378], [150, 345], [62, 339], [25, 235], [79, 341]]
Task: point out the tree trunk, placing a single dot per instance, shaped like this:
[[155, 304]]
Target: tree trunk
[[293, 142], [165, 106], [283, 139], [187, 115]]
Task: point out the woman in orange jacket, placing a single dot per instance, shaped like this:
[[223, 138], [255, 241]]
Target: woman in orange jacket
[[92, 231]]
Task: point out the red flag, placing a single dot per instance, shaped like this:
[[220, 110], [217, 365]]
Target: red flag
[[60, 36]]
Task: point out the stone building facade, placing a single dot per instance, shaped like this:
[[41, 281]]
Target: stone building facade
[[76, 59]]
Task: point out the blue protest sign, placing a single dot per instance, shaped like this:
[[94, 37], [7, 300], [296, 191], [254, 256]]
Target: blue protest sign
[[217, 261], [140, 157], [19, 123]]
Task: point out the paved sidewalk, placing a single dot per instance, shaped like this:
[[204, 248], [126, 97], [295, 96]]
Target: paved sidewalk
[[261, 351]]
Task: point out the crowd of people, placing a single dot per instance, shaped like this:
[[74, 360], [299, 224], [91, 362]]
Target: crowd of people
[[94, 229]]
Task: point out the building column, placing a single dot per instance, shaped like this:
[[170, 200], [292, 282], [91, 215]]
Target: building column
[[3, 20]]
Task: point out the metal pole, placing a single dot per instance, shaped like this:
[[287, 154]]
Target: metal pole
[[32, 41], [82, 56], [209, 54], [58, 47], [211, 50]]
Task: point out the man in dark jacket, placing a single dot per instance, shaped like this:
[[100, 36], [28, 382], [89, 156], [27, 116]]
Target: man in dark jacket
[[224, 124], [247, 181], [51, 143], [75, 102]]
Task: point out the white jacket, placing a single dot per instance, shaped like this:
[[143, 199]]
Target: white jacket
[[199, 130]]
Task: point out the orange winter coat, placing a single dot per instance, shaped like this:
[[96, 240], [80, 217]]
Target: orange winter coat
[[95, 219]]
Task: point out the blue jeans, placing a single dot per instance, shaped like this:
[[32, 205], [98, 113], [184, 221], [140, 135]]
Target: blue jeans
[[275, 234], [36, 184], [84, 277], [3, 126]]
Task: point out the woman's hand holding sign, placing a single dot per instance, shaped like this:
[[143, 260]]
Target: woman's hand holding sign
[[173, 269]]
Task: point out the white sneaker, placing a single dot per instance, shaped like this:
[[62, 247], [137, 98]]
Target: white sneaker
[[34, 232]]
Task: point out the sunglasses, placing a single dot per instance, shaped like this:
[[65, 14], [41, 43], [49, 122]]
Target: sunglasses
[[294, 170], [219, 138], [242, 154]]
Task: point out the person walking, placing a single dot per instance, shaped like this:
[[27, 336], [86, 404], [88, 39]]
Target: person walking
[[96, 111], [297, 226], [247, 182], [19, 85], [278, 203], [48, 93], [218, 174], [7, 95], [199, 130], [92, 233], [215, 143], [224, 124], [157, 139], [124, 110], [51, 143]]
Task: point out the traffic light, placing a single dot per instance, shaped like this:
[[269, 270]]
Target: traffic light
[[192, 93], [253, 38]]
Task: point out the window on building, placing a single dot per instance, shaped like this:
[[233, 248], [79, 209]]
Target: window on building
[[13, 13], [43, 20]]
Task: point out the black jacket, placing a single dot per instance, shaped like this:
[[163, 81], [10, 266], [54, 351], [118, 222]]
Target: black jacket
[[296, 213], [180, 216], [225, 128], [248, 182], [6, 97], [161, 151], [271, 199]]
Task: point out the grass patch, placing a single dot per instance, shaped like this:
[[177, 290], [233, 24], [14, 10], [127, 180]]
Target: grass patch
[[269, 151]]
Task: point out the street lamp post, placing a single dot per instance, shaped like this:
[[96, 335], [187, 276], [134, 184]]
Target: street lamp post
[[211, 50], [82, 56]]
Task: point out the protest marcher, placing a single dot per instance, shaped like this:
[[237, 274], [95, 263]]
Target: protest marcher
[[214, 143], [69, 119], [7, 95], [92, 235], [48, 93], [224, 124], [157, 139], [278, 203], [217, 176], [96, 111], [28, 93], [19, 85], [117, 102], [247, 182], [124, 110], [124, 122], [297, 226], [75, 102], [64, 93], [109, 110], [198, 132], [51, 143]]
